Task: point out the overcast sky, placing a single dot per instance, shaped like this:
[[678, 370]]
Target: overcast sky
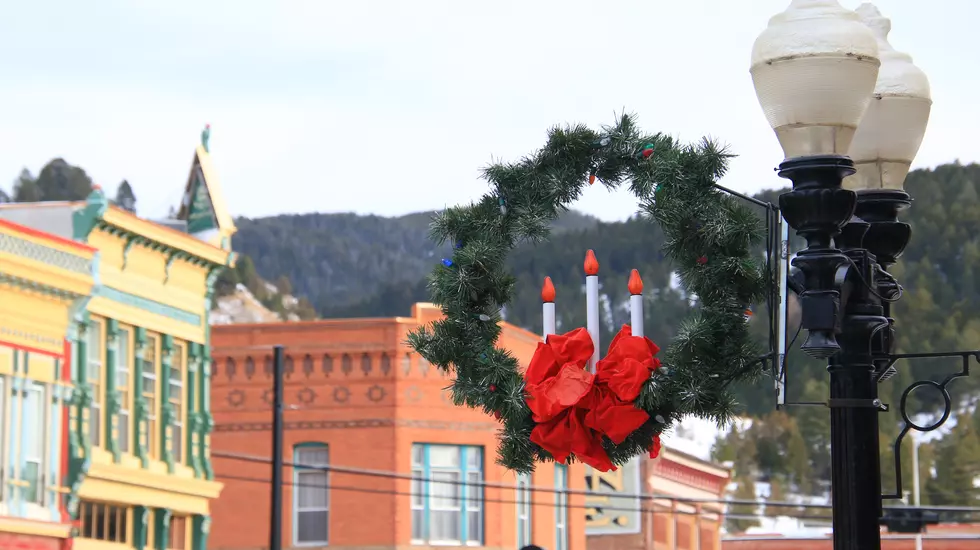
[[391, 107]]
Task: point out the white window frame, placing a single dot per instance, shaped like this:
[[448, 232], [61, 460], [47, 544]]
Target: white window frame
[[523, 505], [561, 507], [177, 428], [304, 468], [469, 497], [40, 430], [151, 345], [94, 334], [124, 420]]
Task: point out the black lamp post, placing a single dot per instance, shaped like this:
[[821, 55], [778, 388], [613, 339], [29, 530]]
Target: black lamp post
[[816, 73]]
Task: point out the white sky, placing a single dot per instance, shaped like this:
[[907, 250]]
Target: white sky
[[392, 107]]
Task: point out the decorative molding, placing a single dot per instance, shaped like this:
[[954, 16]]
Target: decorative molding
[[376, 393], [306, 396], [236, 398], [361, 423], [341, 394], [30, 337], [44, 254], [413, 394], [146, 304], [35, 286]]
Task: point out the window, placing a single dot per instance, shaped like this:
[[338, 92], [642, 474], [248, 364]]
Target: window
[[312, 505], [523, 510], [178, 533], [447, 495], [123, 382], [93, 375], [101, 521], [177, 401], [33, 438], [561, 507], [148, 389]]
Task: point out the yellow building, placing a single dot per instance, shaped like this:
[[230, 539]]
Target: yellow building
[[44, 283], [138, 461]]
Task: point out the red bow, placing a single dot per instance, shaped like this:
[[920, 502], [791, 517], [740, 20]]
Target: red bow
[[573, 408]]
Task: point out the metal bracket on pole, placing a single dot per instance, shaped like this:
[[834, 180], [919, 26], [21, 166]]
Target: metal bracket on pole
[[857, 404]]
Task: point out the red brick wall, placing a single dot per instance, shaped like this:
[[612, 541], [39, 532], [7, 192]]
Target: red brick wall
[[369, 419]]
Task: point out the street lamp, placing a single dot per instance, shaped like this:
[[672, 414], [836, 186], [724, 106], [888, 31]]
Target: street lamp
[[818, 69]]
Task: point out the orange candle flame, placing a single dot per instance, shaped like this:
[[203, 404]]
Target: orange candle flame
[[548, 291], [635, 283], [591, 264]]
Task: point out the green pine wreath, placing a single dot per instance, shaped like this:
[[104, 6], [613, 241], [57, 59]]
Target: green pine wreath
[[709, 236]]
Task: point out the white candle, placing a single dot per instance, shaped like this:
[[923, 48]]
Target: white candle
[[592, 304], [548, 307], [635, 286]]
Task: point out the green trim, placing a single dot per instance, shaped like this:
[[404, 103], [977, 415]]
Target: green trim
[[206, 421], [194, 366], [167, 412], [113, 400], [35, 286], [162, 530], [131, 239], [173, 256], [79, 444], [146, 304], [201, 528], [85, 219], [141, 522], [140, 433]]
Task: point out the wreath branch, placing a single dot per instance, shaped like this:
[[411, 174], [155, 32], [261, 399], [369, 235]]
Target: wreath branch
[[709, 236]]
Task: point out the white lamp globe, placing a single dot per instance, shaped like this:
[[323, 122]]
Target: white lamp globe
[[814, 69], [893, 126]]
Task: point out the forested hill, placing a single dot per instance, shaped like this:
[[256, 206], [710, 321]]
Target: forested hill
[[353, 266], [349, 265]]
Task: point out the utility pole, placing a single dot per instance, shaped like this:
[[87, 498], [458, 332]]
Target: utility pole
[[275, 526]]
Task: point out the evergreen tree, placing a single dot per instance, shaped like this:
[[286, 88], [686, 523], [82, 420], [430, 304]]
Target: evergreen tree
[[125, 198], [957, 467], [4, 197], [284, 285], [744, 491], [26, 188], [776, 494], [60, 181]]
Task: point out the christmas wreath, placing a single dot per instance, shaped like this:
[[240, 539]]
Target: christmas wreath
[[556, 409]]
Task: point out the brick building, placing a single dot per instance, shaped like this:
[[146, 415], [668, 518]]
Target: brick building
[[358, 397], [688, 517]]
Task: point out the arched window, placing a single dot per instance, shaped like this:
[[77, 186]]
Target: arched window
[[327, 364], [366, 364], [308, 365], [346, 365], [385, 364], [311, 499], [249, 367]]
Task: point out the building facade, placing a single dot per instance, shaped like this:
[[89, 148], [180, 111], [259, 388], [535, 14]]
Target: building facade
[[45, 281], [136, 471], [407, 467], [669, 503]]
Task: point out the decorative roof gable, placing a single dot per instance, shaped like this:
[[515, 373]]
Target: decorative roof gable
[[203, 207]]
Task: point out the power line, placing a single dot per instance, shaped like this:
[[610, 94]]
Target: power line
[[639, 496], [333, 487]]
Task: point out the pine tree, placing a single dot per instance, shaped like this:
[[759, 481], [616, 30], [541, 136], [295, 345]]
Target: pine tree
[[125, 198], [60, 181], [776, 494], [957, 467], [744, 491], [26, 188]]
